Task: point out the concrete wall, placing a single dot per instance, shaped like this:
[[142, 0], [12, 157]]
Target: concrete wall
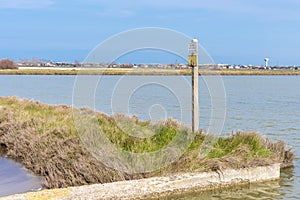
[[158, 186]]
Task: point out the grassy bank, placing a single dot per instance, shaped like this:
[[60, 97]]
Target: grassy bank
[[119, 71], [238, 72], [44, 139]]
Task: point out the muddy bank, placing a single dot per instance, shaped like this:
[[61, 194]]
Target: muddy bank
[[43, 138]]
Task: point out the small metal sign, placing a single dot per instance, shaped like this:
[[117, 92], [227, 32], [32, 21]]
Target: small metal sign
[[193, 47]]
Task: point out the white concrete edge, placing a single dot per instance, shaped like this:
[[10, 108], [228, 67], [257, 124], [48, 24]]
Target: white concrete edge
[[158, 186]]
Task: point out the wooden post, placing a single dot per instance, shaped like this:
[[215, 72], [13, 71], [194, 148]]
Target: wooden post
[[195, 102], [193, 62]]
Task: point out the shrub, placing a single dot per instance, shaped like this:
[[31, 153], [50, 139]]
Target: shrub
[[7, 64]]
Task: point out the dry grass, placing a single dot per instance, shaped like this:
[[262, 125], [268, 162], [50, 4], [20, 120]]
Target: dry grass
[[44, 139], [234, 72], [99, 71], [130, 71], [241, 150]]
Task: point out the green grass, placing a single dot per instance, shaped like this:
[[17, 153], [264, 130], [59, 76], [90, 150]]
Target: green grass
[[252, 141], [121, 129], [44, 139]]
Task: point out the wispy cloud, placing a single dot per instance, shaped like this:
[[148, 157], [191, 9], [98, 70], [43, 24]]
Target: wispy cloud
[[267, 9], [187, 4], [25, 4], [264, 8], [116, 13]]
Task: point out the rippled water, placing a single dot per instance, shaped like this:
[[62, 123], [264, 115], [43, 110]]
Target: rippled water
[[269, 105]]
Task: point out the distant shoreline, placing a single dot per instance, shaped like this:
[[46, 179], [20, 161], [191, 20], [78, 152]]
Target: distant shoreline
[[140, 71]]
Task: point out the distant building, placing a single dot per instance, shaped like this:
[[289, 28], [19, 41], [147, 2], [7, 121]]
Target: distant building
[[266, 62]]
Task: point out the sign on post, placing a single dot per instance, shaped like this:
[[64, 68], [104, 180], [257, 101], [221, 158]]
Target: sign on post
[[192, 60]]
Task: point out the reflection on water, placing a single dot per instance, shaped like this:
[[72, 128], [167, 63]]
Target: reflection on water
[[15, 179], [288, 186]]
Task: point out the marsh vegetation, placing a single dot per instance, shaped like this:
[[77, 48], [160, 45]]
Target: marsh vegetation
[[45, 140]]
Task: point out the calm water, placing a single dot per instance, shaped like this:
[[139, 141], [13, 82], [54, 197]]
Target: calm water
[[266, 104], [15, 179]]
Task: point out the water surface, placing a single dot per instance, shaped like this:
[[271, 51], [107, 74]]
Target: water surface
[[15, 179], [268, 105]]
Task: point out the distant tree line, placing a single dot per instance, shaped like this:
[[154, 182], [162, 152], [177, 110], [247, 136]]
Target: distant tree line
[[7, 64]]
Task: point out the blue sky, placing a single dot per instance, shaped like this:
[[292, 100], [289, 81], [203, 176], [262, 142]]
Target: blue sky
[[232, 31]]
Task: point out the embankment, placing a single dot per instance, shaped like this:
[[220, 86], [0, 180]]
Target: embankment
[[137, 71], [44, 139]]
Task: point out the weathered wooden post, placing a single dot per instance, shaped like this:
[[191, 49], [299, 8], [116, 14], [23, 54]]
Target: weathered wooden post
[[193, 62]]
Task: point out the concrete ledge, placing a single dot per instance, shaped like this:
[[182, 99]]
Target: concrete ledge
[[158, 186]]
